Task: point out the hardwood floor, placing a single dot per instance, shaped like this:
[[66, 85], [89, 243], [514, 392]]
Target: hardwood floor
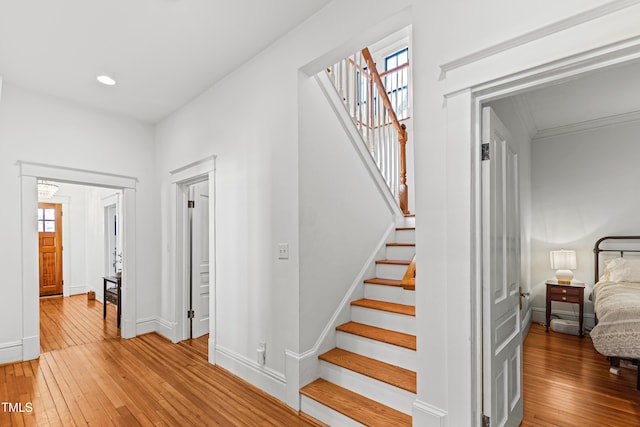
[[70, 321], [88, 375], [567, 383]]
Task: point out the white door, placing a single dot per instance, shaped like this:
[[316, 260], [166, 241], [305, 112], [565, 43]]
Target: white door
[[502, 338], [199, 193]]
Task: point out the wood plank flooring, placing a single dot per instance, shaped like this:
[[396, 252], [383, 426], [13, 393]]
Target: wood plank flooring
[[101, 379], [69, 321], [567, 383]]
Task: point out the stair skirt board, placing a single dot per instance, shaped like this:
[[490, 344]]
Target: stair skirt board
[[384, 319], [394, 294], [388, 353], [325, 414], [391, 271], [387, 394]]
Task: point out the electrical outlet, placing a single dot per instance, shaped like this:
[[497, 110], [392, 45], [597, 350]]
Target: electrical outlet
[[283, 251], [262, 353]]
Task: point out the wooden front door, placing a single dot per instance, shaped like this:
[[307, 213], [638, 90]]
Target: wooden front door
[[50, 248]]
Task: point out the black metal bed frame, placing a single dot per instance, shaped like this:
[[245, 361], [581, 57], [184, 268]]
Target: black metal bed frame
[[614, 361]]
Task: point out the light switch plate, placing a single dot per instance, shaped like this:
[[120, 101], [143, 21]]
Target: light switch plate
[[283, 251]]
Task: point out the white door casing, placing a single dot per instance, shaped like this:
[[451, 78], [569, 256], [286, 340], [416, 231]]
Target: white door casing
[[199, 193], [502, 338]]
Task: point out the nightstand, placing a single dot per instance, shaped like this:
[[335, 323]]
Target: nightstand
[[573, 293]]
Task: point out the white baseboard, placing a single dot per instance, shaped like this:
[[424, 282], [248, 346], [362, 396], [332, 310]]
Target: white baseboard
[[425, 415], [538, 315], [156, 324], [31, 347], [75, 290], [10, 352], [525, 323], [266, 379]]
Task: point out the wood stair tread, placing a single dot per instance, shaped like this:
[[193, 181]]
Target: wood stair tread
[[379, 334], [405, 229], [401, 244], [381, 371], [354, 405], [393, 261], [385, 282], [391, 307]]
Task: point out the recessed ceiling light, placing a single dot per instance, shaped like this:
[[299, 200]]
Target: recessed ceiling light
[[106, 80]]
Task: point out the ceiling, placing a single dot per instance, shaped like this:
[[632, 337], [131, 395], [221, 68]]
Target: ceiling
[[162, 53], [612, 94]]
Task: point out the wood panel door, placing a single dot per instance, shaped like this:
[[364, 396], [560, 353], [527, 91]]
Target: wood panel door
[[199, 193], [502, 340], [50, 248]]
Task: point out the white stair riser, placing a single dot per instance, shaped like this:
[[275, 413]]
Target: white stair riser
[[391, 271], [325, 414], [400, 252], [389, 353], [391, 396], [407, 221], [405, 236], [384, 319], [390, 294]]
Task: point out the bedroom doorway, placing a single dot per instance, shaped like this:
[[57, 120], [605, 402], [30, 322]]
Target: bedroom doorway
[[464, 109]]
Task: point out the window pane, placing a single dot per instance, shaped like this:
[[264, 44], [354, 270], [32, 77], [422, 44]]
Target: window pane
[[403, 57], [40, 226], [40, 213], [49, 226], [49, 214]]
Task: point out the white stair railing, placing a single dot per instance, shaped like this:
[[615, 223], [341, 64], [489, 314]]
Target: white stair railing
[[372, 106]]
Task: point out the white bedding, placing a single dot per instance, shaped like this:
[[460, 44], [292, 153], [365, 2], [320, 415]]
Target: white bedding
[[617, 305]]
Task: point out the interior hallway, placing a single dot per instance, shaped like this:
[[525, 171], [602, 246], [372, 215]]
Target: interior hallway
[[86, 375]]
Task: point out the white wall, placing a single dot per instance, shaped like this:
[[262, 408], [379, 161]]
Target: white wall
[[250, 121], [343, 216], [37, 128], [585, 186]]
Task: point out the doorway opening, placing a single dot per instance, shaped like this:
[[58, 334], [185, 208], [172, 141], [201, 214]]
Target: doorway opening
[[90, 240], [194, 190], [466, 107], [30, 173]]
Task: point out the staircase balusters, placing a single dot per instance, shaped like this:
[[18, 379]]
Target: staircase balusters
[[367, 99]]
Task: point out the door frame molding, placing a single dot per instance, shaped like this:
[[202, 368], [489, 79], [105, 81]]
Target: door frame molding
[[463, 116], [181, 179], [29, 173]]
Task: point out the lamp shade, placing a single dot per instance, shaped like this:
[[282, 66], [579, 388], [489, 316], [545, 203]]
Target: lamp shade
[[563, 260]]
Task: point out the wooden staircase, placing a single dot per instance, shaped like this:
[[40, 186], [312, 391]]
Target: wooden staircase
[[369, 378]]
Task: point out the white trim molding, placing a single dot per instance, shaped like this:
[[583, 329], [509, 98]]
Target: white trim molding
[[261, 376], [426, 415], [10, 352], [198, 168], [76, 176], [539, 33], [587, 125], [300, 370]]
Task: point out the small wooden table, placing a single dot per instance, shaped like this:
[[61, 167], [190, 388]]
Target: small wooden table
[[573, 293], [112, 295]]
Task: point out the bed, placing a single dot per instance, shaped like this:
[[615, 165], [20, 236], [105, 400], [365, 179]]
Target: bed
[[616, 298]]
